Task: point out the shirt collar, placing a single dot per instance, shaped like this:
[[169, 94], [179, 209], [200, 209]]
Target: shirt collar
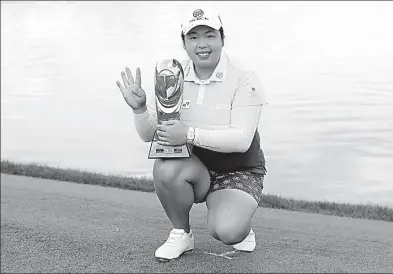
[[218, 75]]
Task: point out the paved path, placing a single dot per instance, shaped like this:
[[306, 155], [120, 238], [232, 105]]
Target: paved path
[[51, 226]]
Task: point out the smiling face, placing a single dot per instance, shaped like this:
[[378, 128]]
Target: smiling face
[[203, 45]]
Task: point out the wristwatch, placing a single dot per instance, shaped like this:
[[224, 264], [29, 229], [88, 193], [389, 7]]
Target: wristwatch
[[191, 135]]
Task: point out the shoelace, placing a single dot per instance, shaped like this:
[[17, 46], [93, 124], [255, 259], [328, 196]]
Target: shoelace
[[174, 237]]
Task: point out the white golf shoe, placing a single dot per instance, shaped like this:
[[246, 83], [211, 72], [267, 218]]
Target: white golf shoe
[[178, 242], [248, 244]]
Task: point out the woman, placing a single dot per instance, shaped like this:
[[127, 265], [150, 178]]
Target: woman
[[227, 166]]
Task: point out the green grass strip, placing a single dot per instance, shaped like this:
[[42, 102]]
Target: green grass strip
[[361, 211]]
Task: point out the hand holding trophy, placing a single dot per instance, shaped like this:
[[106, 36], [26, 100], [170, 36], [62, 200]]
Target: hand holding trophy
[[169, 81]]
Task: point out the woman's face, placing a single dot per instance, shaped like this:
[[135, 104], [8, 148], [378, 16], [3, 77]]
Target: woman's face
[[203, 45]]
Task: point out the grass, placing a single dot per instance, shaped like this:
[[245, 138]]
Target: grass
[[361, 211]]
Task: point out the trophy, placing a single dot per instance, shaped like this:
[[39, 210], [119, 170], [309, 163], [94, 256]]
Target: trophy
[[168, 82]]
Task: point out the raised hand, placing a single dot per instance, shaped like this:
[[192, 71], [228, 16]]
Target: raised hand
[[132, 91]]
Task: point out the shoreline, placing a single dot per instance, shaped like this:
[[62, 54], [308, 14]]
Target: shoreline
[[145, 184]]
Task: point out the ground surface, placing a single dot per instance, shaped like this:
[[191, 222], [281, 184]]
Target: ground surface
[[52, 226]]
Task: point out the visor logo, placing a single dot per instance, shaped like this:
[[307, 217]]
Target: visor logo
[[198, 13]]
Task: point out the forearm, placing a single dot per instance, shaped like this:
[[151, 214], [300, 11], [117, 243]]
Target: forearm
[[145, 123], [222, 140], [237, 137]]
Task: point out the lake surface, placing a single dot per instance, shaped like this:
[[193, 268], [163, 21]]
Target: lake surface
[[327, 68]]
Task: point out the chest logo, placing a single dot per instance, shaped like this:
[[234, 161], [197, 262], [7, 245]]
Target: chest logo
[[186, 104]]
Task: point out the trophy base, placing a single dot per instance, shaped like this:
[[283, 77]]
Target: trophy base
[[158, 151]]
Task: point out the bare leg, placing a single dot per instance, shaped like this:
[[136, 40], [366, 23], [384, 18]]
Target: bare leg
[[230, 212], [179, 183]]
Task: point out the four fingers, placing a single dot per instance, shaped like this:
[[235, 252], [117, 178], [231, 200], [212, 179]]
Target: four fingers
[[128, 80], [129, 88]]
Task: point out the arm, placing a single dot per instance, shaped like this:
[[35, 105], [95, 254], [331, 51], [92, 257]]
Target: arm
[[245, 115], [145, 118], [146, 122], [237, 137]]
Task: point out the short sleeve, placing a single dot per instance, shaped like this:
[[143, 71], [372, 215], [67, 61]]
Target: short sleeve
[[249, 92]]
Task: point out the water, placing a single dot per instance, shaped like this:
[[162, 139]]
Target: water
[[327, 68]]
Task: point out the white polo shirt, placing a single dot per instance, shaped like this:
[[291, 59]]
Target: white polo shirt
[[224, 110], [207, 104]]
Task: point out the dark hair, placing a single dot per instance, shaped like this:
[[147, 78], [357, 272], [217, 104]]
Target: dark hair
[[221, 30]]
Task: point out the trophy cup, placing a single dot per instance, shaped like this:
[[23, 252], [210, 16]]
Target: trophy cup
[[169, 81]]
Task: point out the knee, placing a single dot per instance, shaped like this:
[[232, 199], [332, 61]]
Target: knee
[[228, 233], [166, 172]]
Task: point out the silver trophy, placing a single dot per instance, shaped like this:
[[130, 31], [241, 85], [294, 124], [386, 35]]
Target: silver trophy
[[169, 81]]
